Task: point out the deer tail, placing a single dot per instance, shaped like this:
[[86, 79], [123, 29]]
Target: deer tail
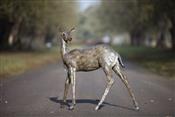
[[120, 61]]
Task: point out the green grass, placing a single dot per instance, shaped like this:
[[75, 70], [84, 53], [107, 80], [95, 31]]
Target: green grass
[[14, 63], [156, 60]]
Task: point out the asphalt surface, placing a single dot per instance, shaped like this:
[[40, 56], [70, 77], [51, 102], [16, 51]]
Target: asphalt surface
[[38, 93]]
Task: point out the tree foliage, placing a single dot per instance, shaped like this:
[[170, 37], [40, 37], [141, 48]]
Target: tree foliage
[[164, 10], [136, 17], [88, 24], [26, 16]]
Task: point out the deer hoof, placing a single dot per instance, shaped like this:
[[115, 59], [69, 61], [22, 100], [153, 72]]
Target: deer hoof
[[96, 108], [137, 108], [71, 108]]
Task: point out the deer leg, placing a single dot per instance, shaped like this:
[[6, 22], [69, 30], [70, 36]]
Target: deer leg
[[66, 89], [72, 75], [67, 84], [125, 81], [110, 81]]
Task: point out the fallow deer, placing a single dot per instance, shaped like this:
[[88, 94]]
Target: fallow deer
[[99, 56]]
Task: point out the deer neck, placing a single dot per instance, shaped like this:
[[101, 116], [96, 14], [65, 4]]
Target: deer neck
[[64, 48]]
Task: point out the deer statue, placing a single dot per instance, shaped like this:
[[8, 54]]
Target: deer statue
[[99, 56]]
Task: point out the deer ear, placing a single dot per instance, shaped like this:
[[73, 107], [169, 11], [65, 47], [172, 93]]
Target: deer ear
[[72, 29]]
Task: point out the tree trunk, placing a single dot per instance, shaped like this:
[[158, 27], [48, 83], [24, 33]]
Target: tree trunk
[[136, 37], [5, 27], [160, 40], [12, 39], [132, 38], [172, 32]]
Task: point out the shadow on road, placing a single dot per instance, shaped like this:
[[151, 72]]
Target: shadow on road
[[90, 101]]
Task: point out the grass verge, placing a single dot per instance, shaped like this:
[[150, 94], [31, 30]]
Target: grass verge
[[15, 63], [154, 59]]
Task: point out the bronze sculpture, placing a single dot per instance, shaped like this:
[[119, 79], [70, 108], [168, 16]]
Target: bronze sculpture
[[100, 56]]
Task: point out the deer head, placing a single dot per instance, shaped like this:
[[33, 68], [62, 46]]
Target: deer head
[[66, 36]]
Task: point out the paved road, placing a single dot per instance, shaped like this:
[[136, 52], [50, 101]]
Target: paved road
[[38, 94]]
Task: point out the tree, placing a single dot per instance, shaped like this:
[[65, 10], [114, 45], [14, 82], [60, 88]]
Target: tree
[[33, 17], [165, 9], [88, 24], [137, 17], [125, 16]]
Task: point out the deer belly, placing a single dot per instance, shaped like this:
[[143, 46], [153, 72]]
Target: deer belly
[[87, 65]]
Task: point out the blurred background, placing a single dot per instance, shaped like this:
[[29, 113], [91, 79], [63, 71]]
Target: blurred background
[[142, 31]]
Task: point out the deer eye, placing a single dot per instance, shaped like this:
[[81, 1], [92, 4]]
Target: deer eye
[[63, 34]]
